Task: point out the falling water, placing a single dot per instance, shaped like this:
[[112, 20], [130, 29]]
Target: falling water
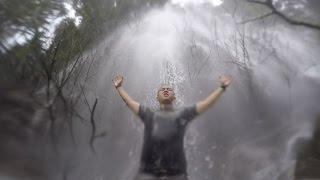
[[248, 134]]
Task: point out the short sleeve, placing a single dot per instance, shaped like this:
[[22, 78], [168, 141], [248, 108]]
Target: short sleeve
[[189, 112], [145, 113]]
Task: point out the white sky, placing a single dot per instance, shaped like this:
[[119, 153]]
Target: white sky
[[71, 13], [23, 38]]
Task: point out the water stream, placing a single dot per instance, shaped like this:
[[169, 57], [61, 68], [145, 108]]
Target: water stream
[[249, 134]]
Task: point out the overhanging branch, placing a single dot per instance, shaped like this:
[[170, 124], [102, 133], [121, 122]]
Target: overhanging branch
[[274, 11]]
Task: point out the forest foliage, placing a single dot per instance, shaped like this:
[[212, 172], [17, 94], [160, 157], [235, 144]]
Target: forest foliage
[[24, 25]]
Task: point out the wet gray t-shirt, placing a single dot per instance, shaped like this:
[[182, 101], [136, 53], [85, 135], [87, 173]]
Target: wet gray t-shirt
[[163, 152]]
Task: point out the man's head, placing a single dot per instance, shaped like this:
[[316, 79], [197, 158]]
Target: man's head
[[165, 95]]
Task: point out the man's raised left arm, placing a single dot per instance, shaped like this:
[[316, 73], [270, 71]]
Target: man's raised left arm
[[203, 105]]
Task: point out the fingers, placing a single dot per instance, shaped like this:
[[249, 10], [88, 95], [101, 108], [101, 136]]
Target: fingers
[[117, 80], [222, 77], [225, 79], [118, 77]]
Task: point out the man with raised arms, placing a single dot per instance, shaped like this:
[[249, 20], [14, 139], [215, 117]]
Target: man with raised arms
[[163, 155]]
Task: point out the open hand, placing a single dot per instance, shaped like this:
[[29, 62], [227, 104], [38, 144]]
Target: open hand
[[225, 80], [117, 81]]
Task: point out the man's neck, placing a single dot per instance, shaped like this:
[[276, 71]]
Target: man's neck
[[166, 107]]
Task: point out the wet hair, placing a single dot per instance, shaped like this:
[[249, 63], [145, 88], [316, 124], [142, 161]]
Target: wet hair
[[165, 85], [162, 85]]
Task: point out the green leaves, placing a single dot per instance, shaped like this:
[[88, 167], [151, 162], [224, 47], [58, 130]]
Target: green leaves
[[27, 16]]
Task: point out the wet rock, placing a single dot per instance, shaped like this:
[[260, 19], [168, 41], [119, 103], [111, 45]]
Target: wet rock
[[308, 156]]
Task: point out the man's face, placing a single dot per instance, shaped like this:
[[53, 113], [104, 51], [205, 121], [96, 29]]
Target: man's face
[[165, 95]]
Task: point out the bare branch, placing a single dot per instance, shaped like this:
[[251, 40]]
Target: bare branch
[[93, 124], [92, 121], [270, 5], [256, 18]]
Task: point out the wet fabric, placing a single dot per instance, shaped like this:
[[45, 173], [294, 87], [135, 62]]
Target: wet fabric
[[142, 176], [163, 152]]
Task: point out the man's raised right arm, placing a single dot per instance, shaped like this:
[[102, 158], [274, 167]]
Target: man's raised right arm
[[132, 104]]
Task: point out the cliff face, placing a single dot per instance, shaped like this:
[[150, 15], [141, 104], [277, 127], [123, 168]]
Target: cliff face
[[23, 135], [18, 133]]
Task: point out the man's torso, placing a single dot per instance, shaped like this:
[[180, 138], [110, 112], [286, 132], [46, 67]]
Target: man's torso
[[163, 152]]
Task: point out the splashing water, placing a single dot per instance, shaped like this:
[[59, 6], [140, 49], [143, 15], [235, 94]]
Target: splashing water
[[249, 133]]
